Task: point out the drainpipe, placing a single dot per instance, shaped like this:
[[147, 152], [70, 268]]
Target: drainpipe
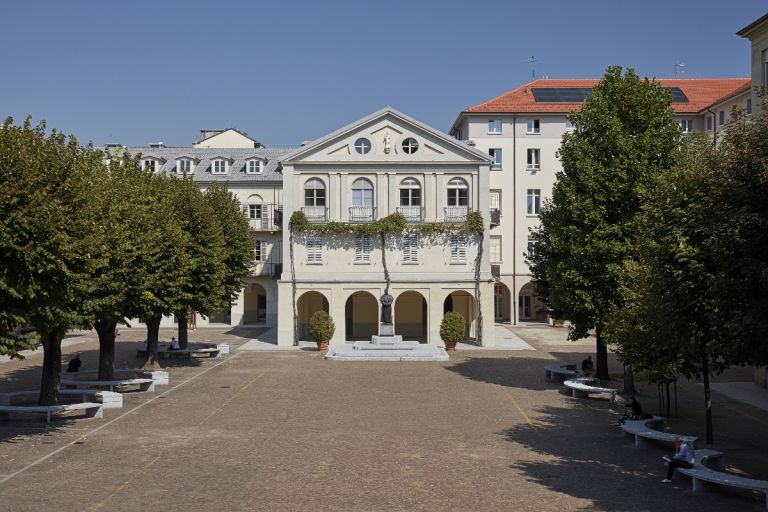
[[714, 126], [514, 220]]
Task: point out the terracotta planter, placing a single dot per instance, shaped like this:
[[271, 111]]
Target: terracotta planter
[[450, 346], [322, 345]]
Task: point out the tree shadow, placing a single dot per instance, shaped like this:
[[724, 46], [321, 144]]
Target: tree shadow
[[516, 372]]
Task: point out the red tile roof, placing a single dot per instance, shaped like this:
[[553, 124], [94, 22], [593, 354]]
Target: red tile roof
[[701, 93]]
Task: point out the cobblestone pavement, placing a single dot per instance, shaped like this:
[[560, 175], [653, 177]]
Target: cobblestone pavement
[[288, 431]]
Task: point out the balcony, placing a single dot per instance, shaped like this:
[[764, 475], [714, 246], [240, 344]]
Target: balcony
[[265, 269], [495, 217], [315, 213], [411, 213], [456, 213], [264, 217], [362, 213]]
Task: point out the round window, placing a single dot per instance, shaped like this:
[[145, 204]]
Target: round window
[[362, 145], [410, 145]]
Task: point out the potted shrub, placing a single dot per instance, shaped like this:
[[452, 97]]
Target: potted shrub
[[452, 330], [321, 327]]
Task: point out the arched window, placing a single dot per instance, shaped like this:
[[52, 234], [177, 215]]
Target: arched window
[[458, 192], [410, 192], [254, 207], [362, 192], [314, 192]]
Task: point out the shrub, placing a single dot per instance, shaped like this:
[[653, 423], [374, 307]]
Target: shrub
[[321, 326], [452, 327]]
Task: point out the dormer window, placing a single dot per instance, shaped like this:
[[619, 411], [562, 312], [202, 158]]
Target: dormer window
[[151, 164], [184, 166], [219, 166], [254, 166]]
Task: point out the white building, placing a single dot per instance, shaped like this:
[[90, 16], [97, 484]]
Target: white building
[[757, 33], [522, 130]]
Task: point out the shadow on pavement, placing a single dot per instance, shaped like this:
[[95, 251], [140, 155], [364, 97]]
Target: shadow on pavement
[[517, 372]]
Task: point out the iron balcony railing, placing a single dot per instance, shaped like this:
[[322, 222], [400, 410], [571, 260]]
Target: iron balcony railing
[[412, 213], [315, 213], [456, 213], [264, 217], [362, 213]]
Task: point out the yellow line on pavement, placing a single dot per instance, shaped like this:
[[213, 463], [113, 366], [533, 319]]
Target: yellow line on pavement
[[229, 400], [123, 485], [520, 409]]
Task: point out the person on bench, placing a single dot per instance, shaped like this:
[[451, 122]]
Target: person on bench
[[74, 364], [634, 411], [683, 458], [174, 344], [587, 366]]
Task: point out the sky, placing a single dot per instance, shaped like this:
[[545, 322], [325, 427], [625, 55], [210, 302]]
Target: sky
[[284, 72]]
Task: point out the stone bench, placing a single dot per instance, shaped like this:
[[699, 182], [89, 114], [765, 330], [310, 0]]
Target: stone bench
[[143, 384], [703, 477], [92, 409], [582, 389], [159, 376], [163, 353], [561, 371], [109, 399], [642, 432], [209, 351]]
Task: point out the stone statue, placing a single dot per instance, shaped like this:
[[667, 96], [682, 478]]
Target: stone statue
[[387, 143], [386, 308]]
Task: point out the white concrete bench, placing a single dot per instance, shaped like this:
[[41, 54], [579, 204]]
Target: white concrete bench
[[209, 351], [642, 431], [561, 371], [159, 376], [109, 399], [703, 477], [144, 384], [163, 353], [92, 409], [582, 389]]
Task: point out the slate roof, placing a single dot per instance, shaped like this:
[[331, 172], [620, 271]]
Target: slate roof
[[701, 93], [272, 171]]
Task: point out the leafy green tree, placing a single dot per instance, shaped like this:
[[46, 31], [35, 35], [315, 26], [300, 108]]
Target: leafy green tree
[[48, 228], [625, 135]]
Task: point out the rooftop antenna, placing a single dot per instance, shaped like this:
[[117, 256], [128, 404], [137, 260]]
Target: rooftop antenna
[[532, 61], [679, 68]]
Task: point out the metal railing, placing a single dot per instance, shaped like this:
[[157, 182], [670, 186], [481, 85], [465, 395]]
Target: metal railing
[[362, 213], [412, 213], [456, 213], [315, 213], [266, 217]]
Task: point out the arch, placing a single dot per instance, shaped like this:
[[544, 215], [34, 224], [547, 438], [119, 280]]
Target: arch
[[254, 304], [410, 192], [314, 192], [307, 305], [361, 316], [502, 303], [411, 316], [254, 199], [458, 192], [362, 192], [530, 307], [464, 303]]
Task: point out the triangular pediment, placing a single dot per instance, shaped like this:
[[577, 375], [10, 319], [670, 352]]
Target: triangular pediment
[[387, 136]]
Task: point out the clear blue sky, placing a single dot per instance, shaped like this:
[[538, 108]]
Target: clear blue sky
[[139, 71]]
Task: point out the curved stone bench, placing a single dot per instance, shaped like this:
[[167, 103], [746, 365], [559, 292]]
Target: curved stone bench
[[560, 370], [143, 384], [582, 389], [159, 376], [642, 431], [704, 477], [92, 409], [109, 399]]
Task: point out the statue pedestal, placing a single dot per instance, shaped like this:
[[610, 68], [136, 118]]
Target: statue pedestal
[[386, 330]]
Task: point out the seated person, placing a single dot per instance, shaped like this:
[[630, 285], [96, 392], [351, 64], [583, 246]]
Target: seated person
[[587, 366], [683, 458], [634, 412], [174, 344], [74, 364]]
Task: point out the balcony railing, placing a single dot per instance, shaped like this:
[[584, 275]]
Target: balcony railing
[[411, 213], [315, 213], [456, 213], [265, 269], [362, 213], [264, 217], [495, 217]]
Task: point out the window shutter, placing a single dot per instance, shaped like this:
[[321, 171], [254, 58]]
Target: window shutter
[[362, 247], [245, 210], [410, 248]]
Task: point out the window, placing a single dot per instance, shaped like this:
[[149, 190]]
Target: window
[[495, 249], [494, 200], [569, 126], [410, 248], [410, 192], [687, 125], [534, 201], [721, 116], [534, 126], [314, 192], [764, 68], [531, 247], [254, 211], [362, 145], [494, 126], [362, 193], [362, 248], [534, 159], [458, 192], [314, 249], [150, 165], [496, 154], [219, 166], [749, 106], [458, 248], [709, 123], [254, 166], [410, 145], [184, 166], [260, 251]]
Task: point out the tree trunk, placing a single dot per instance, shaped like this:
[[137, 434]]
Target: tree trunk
[[601, 357], [106, 331], [707, 399], [384, 261], [183, 330], [153, 329], [49, 385], [629, 380], [293, 290]]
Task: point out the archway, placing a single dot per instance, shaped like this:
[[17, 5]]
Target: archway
[[308, 304], [254, 304], [411, 316], [530, 308], [502, 303], [361, 316], [464, 303]]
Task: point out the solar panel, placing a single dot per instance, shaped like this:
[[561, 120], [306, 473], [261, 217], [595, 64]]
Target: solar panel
[[579, 94]]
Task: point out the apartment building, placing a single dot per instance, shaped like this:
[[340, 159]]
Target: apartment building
[[521, 131], [757, 33]]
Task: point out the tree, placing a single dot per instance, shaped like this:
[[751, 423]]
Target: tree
[[48, 229], [625, 135]]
